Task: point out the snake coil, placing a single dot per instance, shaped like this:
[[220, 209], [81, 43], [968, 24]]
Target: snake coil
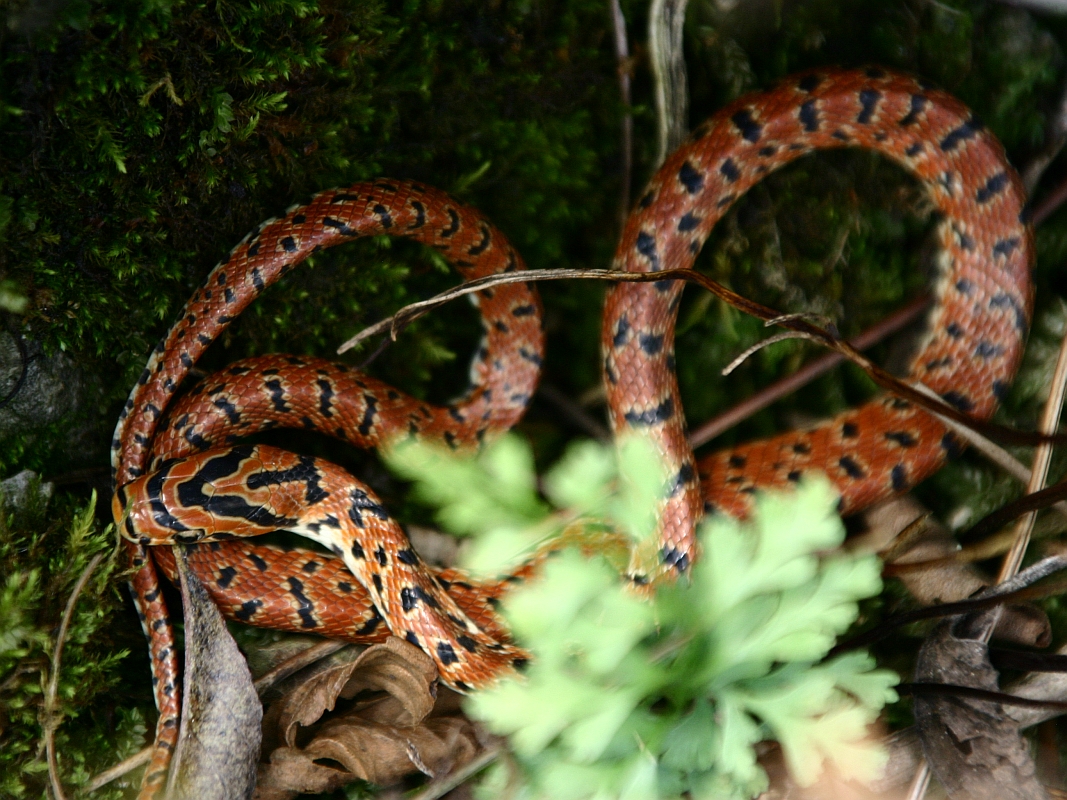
[[182, 479]]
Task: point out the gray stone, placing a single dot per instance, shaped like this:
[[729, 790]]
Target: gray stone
[[46, 388], [16, 491]]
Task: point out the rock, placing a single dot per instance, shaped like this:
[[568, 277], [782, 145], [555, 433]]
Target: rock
[[40, 389], [18, 491]]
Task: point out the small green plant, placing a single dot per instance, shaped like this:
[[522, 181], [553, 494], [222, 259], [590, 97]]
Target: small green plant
[[43, 552], [638, 699]]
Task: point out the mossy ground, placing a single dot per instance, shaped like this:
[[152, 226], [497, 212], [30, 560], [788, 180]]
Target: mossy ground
[[141, 139]]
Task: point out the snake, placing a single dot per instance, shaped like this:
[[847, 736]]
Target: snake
[[183, 475]]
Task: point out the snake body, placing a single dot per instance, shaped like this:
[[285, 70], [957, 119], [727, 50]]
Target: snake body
[[976, 328], [167, 454], [504, 375]]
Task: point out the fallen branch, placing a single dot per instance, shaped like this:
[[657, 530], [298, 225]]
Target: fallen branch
[[831, 340]]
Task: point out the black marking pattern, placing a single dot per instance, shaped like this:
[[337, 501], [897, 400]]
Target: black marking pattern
[[690, 178], [653, 416], [730, 170], [869, 101], [968, 130], [994, 186], [918, 105], [744, 121]]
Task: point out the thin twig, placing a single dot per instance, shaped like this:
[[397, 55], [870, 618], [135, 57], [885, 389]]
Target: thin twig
[[1052, 201], [809, 372], [750, 351], [1035, 501], [980, 551], [956, 690], [1022, 588], [994, 452], [1050, 420], [120, 769], [810, 316], [826, 338], [293, 664], [449, 782], [51, 720], [622, 57], [382, 345], [919, 783], [411, 312]]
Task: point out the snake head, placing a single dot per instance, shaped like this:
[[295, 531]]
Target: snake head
[[143, 512]]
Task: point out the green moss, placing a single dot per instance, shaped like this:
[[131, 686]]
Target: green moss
[[42, 554]]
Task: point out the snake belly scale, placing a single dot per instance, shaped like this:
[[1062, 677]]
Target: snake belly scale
[[166, 451]]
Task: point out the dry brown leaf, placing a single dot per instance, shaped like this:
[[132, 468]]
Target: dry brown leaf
[[291, 773], [973, 747], [384, 754], [942, 579], [396, 667], [382, 736], [942, 582], [1025, 624], [402, 670]]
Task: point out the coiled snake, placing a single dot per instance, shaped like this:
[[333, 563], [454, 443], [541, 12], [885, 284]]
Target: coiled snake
[[182, 479]]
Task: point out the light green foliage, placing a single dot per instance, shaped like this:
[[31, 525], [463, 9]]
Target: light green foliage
[[593, 481], [496, 495], [498, 490], [644, 699], [587, 681]]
